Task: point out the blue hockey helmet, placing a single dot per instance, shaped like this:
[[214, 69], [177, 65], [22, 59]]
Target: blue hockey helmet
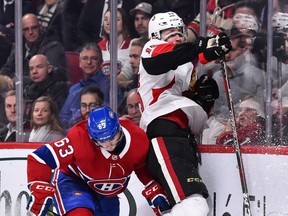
[[102, 124]]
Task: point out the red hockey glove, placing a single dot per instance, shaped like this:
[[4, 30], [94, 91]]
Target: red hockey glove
[[40, 198], [154, 194], [213, 48]]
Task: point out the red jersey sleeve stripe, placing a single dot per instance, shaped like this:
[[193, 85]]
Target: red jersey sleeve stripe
[[202, 58], [163, 48]]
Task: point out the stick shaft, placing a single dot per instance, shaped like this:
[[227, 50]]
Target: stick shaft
[[246, 202]]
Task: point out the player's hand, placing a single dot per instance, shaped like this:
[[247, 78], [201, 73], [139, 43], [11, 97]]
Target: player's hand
[[40, 198], [216, 47], [156, 198]]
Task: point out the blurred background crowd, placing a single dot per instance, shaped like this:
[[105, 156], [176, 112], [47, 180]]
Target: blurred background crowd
[[67, 71]]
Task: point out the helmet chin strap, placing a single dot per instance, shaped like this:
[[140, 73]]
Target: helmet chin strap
[[172, 34]]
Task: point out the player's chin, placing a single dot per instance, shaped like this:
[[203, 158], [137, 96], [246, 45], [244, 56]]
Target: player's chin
[[110, 148]]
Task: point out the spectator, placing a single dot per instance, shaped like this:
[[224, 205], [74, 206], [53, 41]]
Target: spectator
[[133, 107], [91, 20], [246, 79], [218, 18], [49, 15], [102, 150], [70, 16], [91, 97], [250, 125], [45, 122], [245, 18], [8, 133], [141, 14], [124, 70], [7, 16], [171, 119], [90, 62], [35, 43], [135, 54], [44, 83]]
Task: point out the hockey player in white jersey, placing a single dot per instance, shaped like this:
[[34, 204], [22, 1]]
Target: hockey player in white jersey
[[169, 118]]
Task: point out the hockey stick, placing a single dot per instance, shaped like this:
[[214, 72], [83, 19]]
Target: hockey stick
[[246, 202]]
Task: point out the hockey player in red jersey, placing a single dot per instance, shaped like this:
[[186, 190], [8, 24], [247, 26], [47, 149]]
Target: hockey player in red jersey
[[170, 119], [93, 164]]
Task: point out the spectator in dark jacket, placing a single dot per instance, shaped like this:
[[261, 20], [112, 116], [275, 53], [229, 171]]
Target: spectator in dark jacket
[[35, 43], [49, 15], [43, 83]]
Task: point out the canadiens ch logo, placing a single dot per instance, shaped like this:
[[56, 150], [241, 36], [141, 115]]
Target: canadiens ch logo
[[109, 186]]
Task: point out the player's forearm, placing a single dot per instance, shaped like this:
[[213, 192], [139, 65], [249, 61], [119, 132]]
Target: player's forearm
[[37, 171], [144, 175], [170, 57]]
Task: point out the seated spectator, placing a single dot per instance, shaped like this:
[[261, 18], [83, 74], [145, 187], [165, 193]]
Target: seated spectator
[[49, 15], [8, 133], [35, 43], [133, 107], [91, 97], [45, 122], [142, 14], [124, 70], [44, 83], [7, 16], [90, 62], [134, 54], [250, 125]]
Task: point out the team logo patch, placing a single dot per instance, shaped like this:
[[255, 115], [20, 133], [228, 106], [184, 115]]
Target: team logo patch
[[111, 114], [109, 186], [114, 157]]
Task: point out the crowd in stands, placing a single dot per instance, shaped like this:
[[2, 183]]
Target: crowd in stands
[[53, 28]]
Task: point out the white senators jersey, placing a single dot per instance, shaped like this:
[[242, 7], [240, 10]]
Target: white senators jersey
[[162, 79]]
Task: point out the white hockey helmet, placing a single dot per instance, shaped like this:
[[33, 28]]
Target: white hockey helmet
[[162, 21], [245, 22], [280, 21]]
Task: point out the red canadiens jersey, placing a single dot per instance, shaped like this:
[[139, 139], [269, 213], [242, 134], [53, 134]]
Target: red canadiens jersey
[[76, 154], [163, 93]]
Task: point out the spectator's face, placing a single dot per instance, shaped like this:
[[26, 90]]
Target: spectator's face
[[31, 29], [89, 102], [107, 26], [41, 113], [141, 21], [173, 36], [133, 107], [90, 62], [135, 53], [39, 68], [10, 108], [246, 116], [246, 10], [237, 49]]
